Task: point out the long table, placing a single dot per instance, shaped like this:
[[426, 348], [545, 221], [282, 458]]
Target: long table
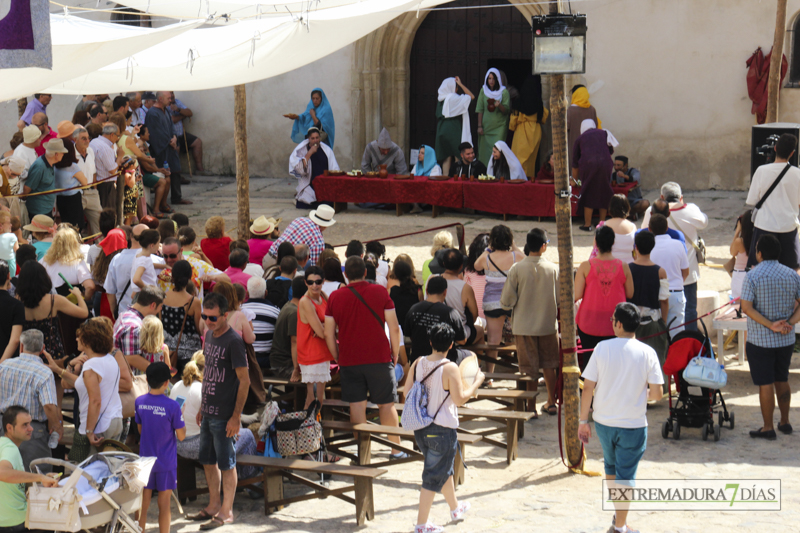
[[526, 199]]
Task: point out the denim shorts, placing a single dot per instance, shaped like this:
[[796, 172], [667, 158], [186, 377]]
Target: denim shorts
[[439, 445], [622, 449], [215, 445]]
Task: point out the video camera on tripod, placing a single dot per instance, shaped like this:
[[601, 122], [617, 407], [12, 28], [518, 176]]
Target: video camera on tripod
[[767, 150]]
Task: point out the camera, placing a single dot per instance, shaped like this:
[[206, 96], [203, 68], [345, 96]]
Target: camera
[[767, 150]]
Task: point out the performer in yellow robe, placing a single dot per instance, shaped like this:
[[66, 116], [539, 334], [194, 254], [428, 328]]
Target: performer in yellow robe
[[526, 123]]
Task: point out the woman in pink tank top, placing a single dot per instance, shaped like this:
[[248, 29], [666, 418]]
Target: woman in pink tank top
[[602, 283]]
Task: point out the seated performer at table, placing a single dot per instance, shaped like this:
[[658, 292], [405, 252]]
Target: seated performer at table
[[623, 174], [310, 159], [318, 114], [591, 163], [384, 152], [426, 165], [469, 164], [452, 120], [504, 164]]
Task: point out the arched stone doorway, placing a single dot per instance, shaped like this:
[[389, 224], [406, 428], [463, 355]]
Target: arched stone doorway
[[381, 78]]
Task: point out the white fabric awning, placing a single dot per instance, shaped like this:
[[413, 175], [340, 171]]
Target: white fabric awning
[[81, 47], [242, 51], [236, 9]]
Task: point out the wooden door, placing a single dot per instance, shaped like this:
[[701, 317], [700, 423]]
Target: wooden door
[[463, 43]]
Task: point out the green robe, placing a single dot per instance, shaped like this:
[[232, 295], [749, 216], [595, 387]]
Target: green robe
[[448, 135], [495, 125]]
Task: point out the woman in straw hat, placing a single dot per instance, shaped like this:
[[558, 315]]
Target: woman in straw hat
[[260, 239]]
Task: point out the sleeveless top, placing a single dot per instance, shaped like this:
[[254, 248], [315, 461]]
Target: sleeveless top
[[495, 280], [51, 332], [448, 414], [453, 298], [740, 263], [645, 286], [623, 246], [605, 288], [478, 284], [122, 144], [312, 350], [172, 318]]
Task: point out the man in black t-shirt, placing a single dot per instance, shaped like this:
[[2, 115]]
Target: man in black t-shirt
[[425, 314], [225, 386], [12, 314]]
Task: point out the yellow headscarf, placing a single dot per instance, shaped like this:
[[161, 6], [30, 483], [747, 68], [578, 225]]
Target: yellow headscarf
[[580, 98]]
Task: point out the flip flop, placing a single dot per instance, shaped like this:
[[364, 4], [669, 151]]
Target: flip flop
[[202, 515], [168, 210], [214, 523], [160, 216]]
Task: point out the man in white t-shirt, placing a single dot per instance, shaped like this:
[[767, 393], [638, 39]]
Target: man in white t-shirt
[[778, 215], [618, 374], [670, 255]]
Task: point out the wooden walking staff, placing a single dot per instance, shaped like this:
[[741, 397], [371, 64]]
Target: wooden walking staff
[[566, 297], [242, 170], [774, 80]]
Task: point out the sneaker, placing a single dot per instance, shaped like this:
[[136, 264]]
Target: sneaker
[[398, 455], [457, 515], [586, 228], [428, 528], [786, 428]]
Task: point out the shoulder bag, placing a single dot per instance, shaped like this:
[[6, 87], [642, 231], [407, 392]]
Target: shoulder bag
[[699, 246], [173, 354], [119, 300], [139, 387], [769, 191]]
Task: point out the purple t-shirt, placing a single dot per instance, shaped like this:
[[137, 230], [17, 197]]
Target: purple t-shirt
[[159, 416]]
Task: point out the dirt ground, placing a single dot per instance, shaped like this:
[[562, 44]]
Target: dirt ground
[[536, 488]]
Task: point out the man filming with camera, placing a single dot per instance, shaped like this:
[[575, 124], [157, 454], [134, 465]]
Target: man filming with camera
[[777, 213]]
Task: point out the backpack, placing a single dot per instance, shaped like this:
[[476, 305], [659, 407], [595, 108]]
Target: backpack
[[415, 413]]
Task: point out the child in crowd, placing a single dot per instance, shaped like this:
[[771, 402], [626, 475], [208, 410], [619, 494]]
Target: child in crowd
[[8, 242], [161, 426], [143, 270], [151, 342], [438, 441]]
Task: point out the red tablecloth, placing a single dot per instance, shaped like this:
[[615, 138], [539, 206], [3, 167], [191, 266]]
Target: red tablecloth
[[527, 199], [389, 191]]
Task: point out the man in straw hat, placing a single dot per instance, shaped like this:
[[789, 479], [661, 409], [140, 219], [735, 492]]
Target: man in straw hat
[[384, 152], [306, 230], [42, 178], [11, 168]]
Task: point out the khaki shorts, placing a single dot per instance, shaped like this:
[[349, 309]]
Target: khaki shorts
[[534, 353]]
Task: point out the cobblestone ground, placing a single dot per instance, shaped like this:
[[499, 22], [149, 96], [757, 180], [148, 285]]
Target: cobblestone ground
[[535, 492]]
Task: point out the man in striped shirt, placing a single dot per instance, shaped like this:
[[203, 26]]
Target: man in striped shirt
[[264, 322], [26, 381]]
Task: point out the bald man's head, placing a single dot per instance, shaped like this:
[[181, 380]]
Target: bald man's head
[[40, 117], [137, 230]]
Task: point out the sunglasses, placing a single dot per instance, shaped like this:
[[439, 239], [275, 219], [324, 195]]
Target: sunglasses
[[171, 256], [211, 318], [310, 282]]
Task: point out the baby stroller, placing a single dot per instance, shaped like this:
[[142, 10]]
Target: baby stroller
[[694, 406], [104, 490]]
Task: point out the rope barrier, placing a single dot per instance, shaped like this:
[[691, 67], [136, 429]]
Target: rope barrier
[[460, 237], [56, 191]]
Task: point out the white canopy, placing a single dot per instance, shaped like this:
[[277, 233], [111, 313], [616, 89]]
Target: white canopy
[[82, 46], [243, 51], [236, 9]]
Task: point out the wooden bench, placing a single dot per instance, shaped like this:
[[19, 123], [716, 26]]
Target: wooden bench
[[274, 470], [366, 433], [508, 398], [514, 424]]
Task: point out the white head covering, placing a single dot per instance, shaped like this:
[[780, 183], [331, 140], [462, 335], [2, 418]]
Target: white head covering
[[456, 105], [588, 124], [497, 94], [514, 166]]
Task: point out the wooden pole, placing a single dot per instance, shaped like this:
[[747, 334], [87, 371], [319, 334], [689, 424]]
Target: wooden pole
[[566, 297], [242, 171], [776, 61]]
